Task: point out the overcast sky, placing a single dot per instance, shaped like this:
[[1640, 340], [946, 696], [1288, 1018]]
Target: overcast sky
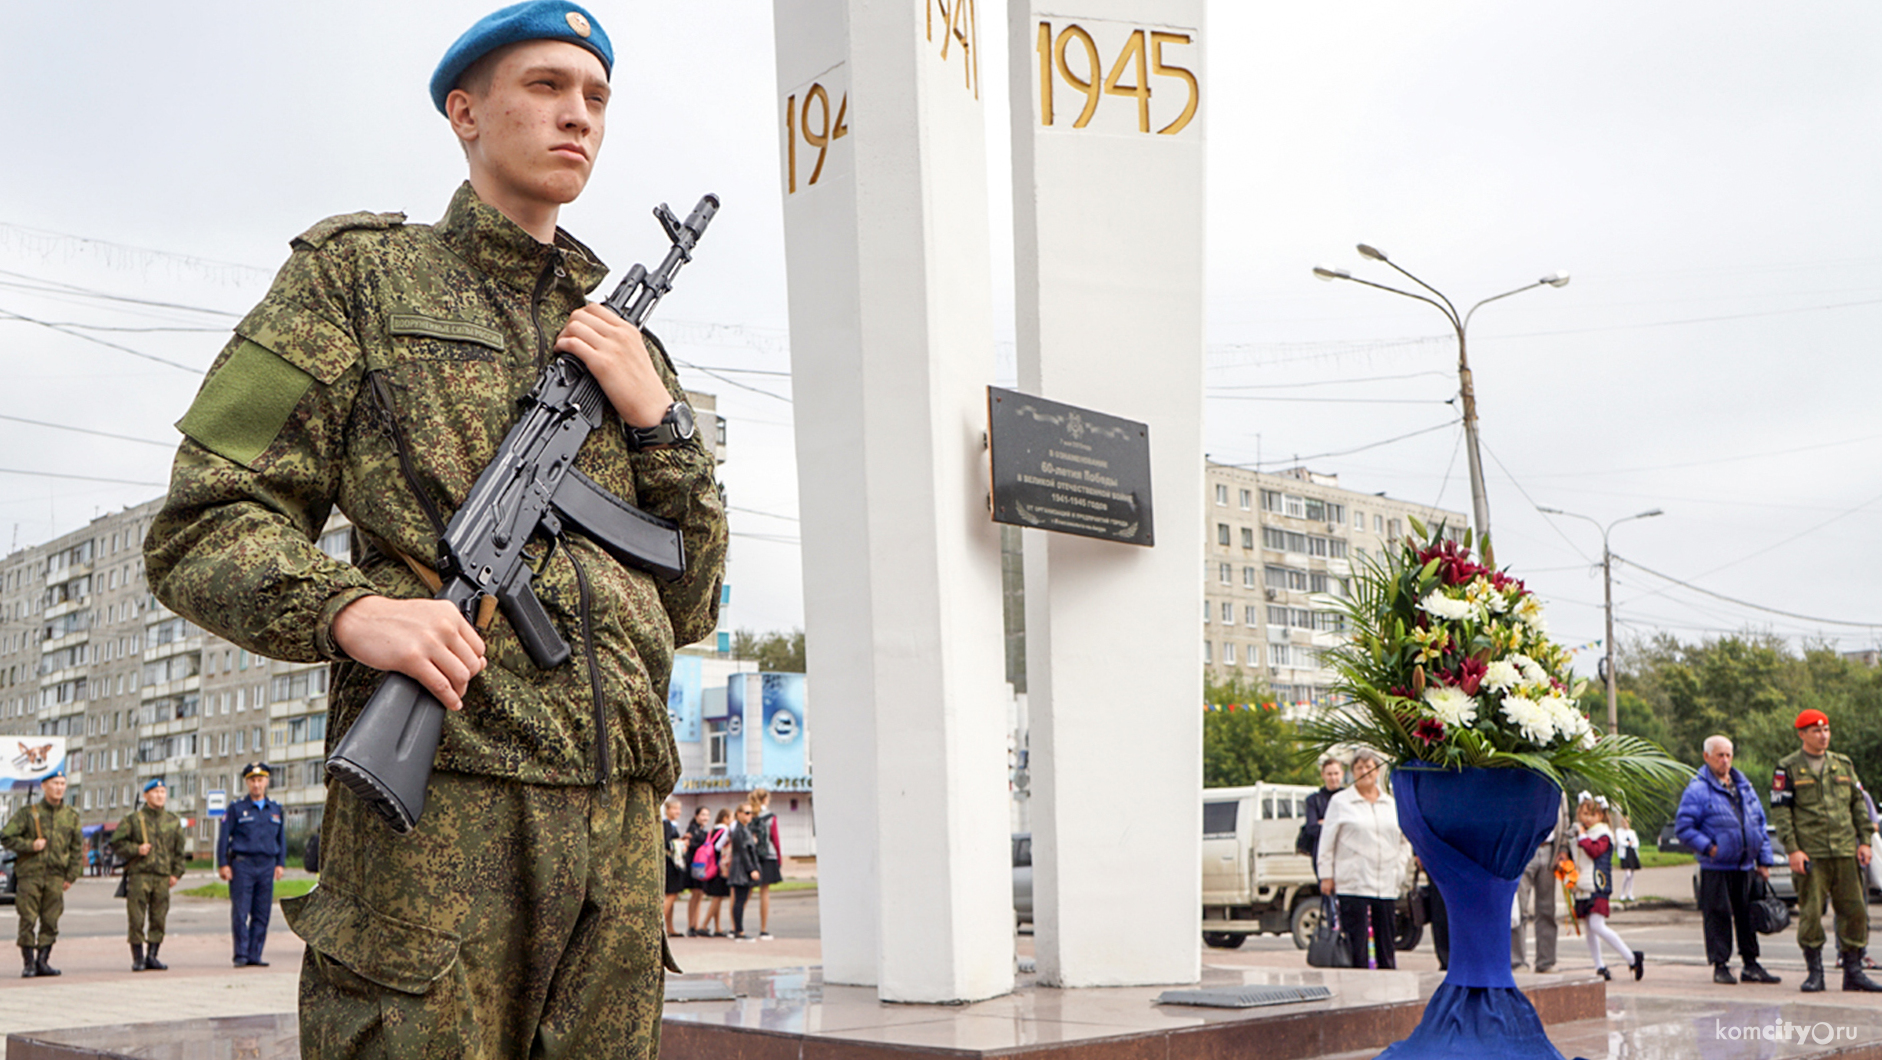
[[1707, 173]]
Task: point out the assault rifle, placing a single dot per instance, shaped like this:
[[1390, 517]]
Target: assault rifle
[[531, 487]]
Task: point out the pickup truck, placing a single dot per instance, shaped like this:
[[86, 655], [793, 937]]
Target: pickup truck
[[1252, 881]]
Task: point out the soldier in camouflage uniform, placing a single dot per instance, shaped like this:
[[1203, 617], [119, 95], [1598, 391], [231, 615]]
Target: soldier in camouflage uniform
[[50, 855], [379, 375], [1823, 821], [149, 841]]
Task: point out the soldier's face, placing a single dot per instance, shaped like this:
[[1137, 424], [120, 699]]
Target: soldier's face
[[54, 789], [535, 132], [257, 786], [157, 796], [1816, 738]]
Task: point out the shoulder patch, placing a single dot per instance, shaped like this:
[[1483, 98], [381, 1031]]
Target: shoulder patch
[[244, 404], [332, 226]]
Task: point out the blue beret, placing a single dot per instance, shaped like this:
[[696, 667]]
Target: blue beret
[[530, 20], [59, 772], [155, 782]]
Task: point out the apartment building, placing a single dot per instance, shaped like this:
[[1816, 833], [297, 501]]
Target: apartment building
[[88, 653], [1281, 551]]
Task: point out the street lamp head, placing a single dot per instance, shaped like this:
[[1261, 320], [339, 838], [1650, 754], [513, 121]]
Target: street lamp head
[[1329, 273], [1649, 514], [1372, 252], [1551, 511], [1555, 279]]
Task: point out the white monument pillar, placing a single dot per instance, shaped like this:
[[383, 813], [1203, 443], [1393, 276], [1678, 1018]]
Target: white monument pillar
[[1108, 212], [884, 182]]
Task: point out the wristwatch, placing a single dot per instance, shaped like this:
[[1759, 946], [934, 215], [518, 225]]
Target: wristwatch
[[674, 427]]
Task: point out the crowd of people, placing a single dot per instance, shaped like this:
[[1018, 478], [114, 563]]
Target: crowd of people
[[1819, 812], [722, 855]]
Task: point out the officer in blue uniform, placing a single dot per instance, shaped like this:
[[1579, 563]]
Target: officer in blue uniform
[[251, 854]]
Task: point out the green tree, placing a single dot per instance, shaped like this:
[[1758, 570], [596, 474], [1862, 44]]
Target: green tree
[[775, 652], [1248, 746]]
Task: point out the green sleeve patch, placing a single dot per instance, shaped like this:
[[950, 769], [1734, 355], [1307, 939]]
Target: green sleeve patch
[[241, 409]]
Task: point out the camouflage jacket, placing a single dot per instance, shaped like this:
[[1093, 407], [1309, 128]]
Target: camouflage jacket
[[1823, 815], [162, 829], [58, 826], [379, 375]]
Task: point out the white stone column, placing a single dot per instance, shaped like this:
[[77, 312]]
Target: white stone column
[[1108, 217], [884, 183]]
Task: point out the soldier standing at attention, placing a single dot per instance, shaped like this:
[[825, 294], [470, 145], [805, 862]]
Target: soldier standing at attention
[[45, 836], [1821, 818], [380, 374], [149, 841], [251, 854]]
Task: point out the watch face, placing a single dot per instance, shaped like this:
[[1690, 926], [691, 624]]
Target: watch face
[[682, 416]]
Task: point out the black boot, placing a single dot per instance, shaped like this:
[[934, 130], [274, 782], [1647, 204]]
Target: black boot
[[1723, 974], [30, 970], [1754, 972], [40, 965], [137, 958], [1854, 978], [1813, 966], [152, 962]]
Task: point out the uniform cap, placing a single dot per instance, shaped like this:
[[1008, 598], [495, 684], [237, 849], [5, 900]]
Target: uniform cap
[[1812, 717], [58, 772], [530, 20], [254, 769], [155, 782]]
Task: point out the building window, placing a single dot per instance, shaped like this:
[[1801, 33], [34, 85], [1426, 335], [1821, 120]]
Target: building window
[[1228, 613], [1296, 506], [1208, 652], [1222, 495], [1226, 574], [1391, 529], [1270, 501], [1278, 655], [1246, 499], [1222, 534], [1248, 537], [1205, 612], [1248, 577], [1378, 524], [715, 747], [1228, 654], [1249, 616]]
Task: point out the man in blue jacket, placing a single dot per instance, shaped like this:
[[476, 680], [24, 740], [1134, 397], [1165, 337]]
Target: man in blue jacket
[[1722, 820], [251, 854]]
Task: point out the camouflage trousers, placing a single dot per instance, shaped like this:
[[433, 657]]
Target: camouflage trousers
[[515, 920], [40, 901], [147, 898], [1841, 881]]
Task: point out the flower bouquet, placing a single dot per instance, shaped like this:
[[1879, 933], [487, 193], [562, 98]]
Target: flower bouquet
[[1450, 663], [1450, 673]]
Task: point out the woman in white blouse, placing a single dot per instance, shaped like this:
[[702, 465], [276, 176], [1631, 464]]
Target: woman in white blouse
[[1362, 860]]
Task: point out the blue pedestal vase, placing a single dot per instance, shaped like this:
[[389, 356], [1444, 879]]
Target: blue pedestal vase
[[1475, 830]]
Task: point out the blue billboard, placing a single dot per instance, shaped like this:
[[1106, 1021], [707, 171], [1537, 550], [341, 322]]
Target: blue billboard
[[784, 738], [685, 698]]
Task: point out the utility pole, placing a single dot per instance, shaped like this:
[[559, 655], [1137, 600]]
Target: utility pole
[[1607, 596]]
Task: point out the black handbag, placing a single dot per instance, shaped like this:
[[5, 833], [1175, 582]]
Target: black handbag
[[1769, 914], [1328, 948]]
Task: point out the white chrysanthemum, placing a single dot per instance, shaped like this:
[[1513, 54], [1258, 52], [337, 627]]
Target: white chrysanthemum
[[1442, 606], [1529, 716], [1538, 626], [1567, 720], [1452, 706], [1529, 609], [1532, 670], [1501, 675]]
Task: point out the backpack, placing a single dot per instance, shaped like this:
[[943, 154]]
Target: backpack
[[706, 859]]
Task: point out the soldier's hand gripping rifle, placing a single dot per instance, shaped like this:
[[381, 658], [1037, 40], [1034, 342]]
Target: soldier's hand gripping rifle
[[531, 487]]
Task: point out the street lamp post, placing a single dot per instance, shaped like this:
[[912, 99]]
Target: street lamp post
[[1479, 501], [1607, 596]]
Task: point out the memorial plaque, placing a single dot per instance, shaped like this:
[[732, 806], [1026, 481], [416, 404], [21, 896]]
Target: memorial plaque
[[1059, 467]]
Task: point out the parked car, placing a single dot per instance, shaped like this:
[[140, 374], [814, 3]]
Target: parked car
[[1669, 843], [1022, 877], [9, 886], [1252, 880]]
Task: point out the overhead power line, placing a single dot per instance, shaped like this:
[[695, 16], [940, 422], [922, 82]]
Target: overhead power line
[[1747, 603], [81, 478], [9, 314], [88, 430], [1259, 464]]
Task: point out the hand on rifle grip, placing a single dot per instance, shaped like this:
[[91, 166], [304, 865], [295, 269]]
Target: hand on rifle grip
[[426, 640]]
